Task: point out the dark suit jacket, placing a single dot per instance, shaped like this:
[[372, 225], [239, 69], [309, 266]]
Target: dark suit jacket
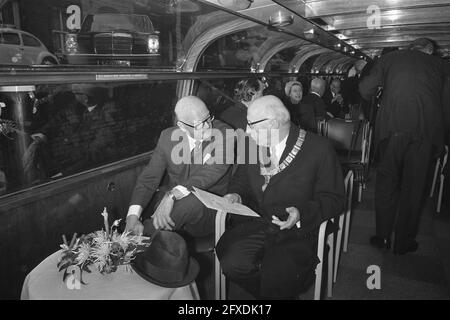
[[211, 177], [350, 91], [318, 104], [412, 84], [334, 107], [313, 183], [303, 115]]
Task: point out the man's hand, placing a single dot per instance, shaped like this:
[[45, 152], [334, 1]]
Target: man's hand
[[233, 198], [39, 137], [161, 217], [134, 225], [294, 217]]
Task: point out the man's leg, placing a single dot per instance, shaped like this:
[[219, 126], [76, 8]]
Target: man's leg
[[240, 252], [415, 168], [387, 187], [188, 214], [288, 268]]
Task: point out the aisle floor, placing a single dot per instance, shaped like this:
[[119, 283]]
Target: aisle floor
[[422, 275]]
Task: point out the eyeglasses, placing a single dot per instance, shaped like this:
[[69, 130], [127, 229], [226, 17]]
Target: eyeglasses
[[200, 125], [250, 124]]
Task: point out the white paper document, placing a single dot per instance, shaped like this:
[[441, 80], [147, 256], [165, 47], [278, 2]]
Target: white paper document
[[215, 202]]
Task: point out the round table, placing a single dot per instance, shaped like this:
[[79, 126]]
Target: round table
[[45, 283]]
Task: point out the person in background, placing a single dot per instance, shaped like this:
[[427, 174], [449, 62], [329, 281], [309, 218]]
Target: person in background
[[302, 114], [314, 99], [357, 107], [334, 100], [409, 124]]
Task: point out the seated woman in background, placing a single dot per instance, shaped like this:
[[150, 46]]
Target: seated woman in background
[[302, 114]]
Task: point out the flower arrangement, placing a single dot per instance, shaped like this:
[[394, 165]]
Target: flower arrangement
[[105, 249]]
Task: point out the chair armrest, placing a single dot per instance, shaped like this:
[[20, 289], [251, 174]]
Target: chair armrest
[[220, 225]]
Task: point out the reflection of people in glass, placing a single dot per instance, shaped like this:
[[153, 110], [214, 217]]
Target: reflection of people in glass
[[78, 135], [15, 124]]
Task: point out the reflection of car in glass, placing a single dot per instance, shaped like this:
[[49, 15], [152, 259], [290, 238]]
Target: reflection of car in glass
[[110, 38], [20, 47]]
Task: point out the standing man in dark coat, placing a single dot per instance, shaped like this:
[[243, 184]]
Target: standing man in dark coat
[[193, 155], [275, 256], [409, 123]]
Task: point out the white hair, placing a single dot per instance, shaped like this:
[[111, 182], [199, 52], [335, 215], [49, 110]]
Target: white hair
[[271, 107]]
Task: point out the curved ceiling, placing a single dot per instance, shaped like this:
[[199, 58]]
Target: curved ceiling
[[373, 25], [337, 31]]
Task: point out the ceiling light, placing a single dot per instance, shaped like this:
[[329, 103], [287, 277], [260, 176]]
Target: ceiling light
[[281, 20], [310, 34], [236, 4], [394, 15]]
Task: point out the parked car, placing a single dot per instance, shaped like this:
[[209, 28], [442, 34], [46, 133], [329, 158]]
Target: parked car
[[113, 39], [22, 48]]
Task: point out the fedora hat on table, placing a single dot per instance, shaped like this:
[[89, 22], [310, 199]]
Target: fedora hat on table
[[166, 261]]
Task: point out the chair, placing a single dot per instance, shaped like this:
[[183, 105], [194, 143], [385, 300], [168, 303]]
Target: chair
[[352, 141], [439, 169], [194, 291], [345, 216], [207, 244], [323, 238]]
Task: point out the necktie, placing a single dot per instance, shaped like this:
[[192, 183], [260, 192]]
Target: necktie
[[197, 153], [273, 158]]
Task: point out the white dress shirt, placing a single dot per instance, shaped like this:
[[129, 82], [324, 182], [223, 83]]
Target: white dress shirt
[[279, 148]]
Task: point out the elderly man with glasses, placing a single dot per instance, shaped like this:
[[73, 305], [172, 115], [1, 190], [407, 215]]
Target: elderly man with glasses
[[294, 186], [184, 153]]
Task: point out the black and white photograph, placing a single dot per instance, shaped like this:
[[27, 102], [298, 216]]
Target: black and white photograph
[[227, 155]]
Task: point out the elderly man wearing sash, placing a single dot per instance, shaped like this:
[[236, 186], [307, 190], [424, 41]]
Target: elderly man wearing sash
[[295, 184]]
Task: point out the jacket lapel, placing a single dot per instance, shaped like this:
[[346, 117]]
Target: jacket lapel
[[290, 142]]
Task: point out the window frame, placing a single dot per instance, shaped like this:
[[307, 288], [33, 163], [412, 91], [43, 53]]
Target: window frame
[[11, 32], [23, 35]]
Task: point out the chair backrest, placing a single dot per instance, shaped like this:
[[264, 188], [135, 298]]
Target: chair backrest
[[348, 190], [345, 134], [444, 159]]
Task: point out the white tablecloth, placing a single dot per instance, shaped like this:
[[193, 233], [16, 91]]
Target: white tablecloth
[[45, 283]]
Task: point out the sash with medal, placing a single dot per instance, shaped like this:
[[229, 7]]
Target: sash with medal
[[268, 173]]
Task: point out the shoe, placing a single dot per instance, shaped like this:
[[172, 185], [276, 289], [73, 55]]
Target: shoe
[[411, 247], [380, 243]]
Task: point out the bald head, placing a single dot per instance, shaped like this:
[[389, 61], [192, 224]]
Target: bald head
[[335, 86], [318, 86], [191, 109], [422, 44], [268, 107]]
